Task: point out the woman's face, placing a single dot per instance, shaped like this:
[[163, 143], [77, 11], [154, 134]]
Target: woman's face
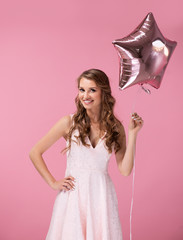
[[89, 93]]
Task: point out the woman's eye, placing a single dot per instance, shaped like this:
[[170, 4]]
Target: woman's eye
[[81, 90], [93, 90]]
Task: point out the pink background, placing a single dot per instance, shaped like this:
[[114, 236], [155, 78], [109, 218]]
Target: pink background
[[44, 46]]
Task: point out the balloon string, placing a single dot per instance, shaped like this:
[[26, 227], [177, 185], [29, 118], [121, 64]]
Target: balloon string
[[132, 196], [133, 106], [134, 102]]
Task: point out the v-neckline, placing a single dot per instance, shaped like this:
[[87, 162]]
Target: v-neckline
[[97, 142]]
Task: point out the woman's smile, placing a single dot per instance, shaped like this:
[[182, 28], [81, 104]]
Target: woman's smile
[[87, 101]]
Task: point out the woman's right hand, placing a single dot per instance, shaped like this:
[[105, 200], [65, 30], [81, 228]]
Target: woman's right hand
[[65, 184]]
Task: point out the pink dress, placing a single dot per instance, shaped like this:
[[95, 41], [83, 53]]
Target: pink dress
[[90, 212]]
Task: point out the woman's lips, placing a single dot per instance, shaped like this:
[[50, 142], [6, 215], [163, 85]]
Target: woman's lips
[[88, 101]]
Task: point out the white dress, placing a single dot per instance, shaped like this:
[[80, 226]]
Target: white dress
[[90, 212]]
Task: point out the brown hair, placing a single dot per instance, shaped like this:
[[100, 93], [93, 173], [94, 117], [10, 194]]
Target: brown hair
[[108, 122]]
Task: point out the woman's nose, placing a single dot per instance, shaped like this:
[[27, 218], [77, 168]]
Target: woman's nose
[[86, 95]]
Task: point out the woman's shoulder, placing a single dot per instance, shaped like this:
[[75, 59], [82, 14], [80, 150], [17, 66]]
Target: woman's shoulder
[[121, 128], [65, 123], [122, 132], [67, 120]]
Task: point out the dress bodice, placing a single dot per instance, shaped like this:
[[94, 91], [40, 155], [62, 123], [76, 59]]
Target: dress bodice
[[83, 157]]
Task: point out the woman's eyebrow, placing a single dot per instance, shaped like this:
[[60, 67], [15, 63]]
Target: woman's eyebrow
[[93, 87], [90, 87]]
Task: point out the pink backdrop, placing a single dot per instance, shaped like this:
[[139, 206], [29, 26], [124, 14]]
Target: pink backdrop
[[44, 46]]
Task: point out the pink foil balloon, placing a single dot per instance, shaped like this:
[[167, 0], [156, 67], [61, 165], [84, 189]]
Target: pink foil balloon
[[143, 55]]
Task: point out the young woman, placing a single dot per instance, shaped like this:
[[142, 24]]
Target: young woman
[[86, 206]]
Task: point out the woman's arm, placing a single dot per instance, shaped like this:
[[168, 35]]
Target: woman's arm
[[60, 129], [125, 156]]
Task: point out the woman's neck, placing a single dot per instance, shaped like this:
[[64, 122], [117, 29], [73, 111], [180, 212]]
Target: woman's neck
[[94, 116]]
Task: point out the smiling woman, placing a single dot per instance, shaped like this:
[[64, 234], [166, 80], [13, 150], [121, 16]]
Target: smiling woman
[[94, 113], [86, 206]]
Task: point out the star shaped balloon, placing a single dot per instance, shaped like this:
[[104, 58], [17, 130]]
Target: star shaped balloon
[[143, 55]]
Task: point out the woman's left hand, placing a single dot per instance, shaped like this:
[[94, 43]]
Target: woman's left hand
[[135, 124]]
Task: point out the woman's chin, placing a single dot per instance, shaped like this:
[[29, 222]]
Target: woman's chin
[[90, 105]]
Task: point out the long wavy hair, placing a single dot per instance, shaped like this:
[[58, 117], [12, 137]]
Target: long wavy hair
[[108, 122]]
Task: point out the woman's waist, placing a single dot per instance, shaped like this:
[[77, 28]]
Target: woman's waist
[[87, 169]]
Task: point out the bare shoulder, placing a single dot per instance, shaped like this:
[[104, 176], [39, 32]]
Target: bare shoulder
[[122, 139], [58, 130], [63, 125], [65, 122], [122, 131]]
